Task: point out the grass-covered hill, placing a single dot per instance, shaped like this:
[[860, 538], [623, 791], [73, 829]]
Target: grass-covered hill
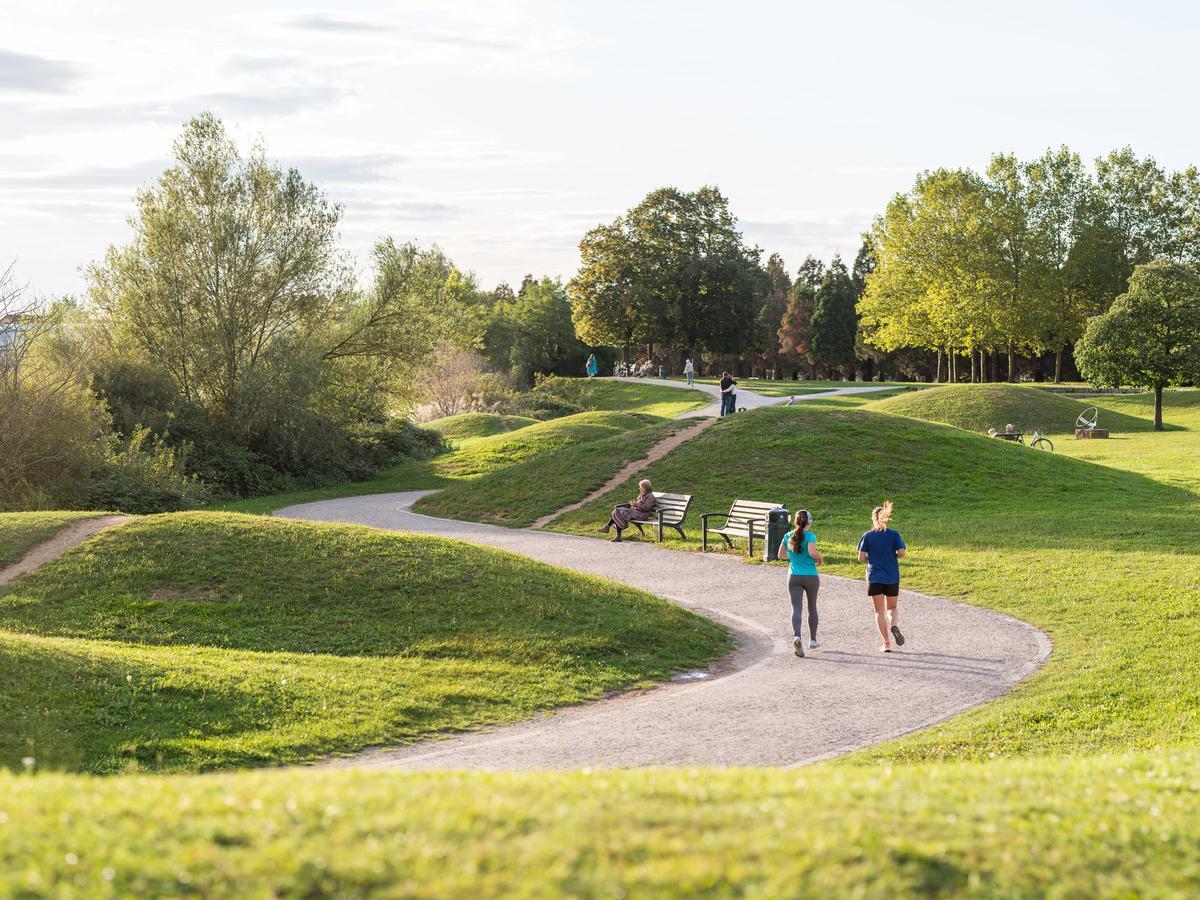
[[978, 407], [201, 640], [476, 425], [1103, 559]]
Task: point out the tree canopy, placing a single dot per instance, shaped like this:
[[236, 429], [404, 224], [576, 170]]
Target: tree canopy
[[1151, 336]]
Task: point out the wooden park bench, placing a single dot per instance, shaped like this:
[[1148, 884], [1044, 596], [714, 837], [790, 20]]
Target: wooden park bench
[[746, 519], [671, 509]]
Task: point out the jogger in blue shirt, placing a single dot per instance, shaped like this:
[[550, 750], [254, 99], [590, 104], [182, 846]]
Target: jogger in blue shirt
[[881, 549]]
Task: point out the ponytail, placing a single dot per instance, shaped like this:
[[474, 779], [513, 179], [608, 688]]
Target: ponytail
[[796, 544], [881, 515]]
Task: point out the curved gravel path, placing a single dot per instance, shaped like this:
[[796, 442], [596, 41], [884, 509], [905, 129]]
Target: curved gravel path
[[747, 399], [759, 706]]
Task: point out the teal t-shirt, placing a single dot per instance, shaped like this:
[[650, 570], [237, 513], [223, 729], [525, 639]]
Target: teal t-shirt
[[802, 562]]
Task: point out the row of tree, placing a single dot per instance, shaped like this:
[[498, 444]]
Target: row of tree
[[1017, 258]]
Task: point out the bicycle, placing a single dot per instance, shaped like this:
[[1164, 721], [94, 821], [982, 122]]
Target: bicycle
[[1038, 441]]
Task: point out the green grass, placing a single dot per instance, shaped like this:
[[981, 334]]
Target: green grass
[[1103, 559], [468, 426], [21, 531], [484, 455], [518, 495], [978, 407], [1122, 826], [634, 396], [200, 640]]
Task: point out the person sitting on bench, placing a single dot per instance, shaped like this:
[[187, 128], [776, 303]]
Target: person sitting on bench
[[639, 509]]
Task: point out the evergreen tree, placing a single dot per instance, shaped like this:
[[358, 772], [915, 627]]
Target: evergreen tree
[[795, 331], [835, 321]]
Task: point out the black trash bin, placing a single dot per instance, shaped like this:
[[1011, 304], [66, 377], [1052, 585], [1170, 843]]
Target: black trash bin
[[662, 372], [778, 525]]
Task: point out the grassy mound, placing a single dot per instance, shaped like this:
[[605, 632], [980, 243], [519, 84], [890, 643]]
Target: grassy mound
[[21, 531], [200, 640], [978, 407], [631, 395], [520, 494], [1103, 559], [476, 425]]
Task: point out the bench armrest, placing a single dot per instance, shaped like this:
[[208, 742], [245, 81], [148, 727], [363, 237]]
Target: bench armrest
[[704, 517]]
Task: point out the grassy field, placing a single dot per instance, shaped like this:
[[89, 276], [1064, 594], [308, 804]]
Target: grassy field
[[20, 531], [1102, 558], [630, 395], [200, 640], [1114, 826], [978, 407]]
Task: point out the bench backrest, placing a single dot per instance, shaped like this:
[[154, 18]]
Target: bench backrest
[[674, 506], [745, 511]]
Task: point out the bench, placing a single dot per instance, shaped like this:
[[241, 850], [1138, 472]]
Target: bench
[[745, 519], [1010, 435], [671, 509]]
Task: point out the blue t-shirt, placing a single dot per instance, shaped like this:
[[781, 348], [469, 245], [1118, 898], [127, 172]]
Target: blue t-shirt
[[801, 563], [881, 547]]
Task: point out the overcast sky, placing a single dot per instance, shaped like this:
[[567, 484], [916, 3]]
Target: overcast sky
[[502, 131]]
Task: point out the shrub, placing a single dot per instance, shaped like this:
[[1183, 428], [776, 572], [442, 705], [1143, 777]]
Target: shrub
[[138, 476]]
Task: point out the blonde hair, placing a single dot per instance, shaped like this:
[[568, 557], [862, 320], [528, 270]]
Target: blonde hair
[[644, 486], [880, 515]]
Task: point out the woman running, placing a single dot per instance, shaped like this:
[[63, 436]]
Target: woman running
[[881, 549], [639, 510], [800, 546]]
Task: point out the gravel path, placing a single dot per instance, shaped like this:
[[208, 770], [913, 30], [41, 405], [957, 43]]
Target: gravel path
[[749, 399], [759, 706]]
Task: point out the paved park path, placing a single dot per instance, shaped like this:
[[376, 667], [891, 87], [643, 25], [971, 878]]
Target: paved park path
[[759, 706], [747, 399]]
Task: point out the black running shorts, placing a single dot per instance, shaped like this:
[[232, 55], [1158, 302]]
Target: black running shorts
[[875, 588]]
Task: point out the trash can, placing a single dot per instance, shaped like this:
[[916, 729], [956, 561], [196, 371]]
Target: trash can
[[662, 372], [777, 527]]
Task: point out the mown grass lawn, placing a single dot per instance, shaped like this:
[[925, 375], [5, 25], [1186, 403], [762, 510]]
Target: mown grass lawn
[[199, 640], [21, 531], [1114, 826], [1101, 558]]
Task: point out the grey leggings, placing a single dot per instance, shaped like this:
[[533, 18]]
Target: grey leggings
[[798, 585]]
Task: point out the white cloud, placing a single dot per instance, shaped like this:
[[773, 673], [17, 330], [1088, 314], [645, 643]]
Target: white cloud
[[24, 72]]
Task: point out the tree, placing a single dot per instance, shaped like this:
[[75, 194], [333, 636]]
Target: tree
[[229, 254], [542, 335], [834, 321], [795, 330], [672, 272], [774, 309], [48, 418], [1151, 335]]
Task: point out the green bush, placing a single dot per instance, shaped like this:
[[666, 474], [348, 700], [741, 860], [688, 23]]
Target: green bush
[[140, 476]]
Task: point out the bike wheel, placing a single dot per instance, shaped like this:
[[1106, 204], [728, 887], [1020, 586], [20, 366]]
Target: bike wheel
[[1043, 444]]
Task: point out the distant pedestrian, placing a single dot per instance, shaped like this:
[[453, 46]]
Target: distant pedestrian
[[728, 395], [800, 547], [639, 510], [881, 549], [689, 370], [593, 367]]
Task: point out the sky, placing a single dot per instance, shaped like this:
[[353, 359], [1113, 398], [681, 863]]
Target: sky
[[503, 131]]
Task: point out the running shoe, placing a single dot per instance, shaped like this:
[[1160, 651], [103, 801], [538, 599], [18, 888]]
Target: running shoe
[[813, 645], [898, 636], [798, 643], [886, 648]]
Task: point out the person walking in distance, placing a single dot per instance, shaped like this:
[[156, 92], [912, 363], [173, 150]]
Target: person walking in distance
[[881, 549], [689, 370], [728, 397], [593, 367], [800, 547]]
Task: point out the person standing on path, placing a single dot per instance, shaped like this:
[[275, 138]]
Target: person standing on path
[[728, 397], [689, 370], [639, 510], [881, 549], [800, 547], [593, 367]]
